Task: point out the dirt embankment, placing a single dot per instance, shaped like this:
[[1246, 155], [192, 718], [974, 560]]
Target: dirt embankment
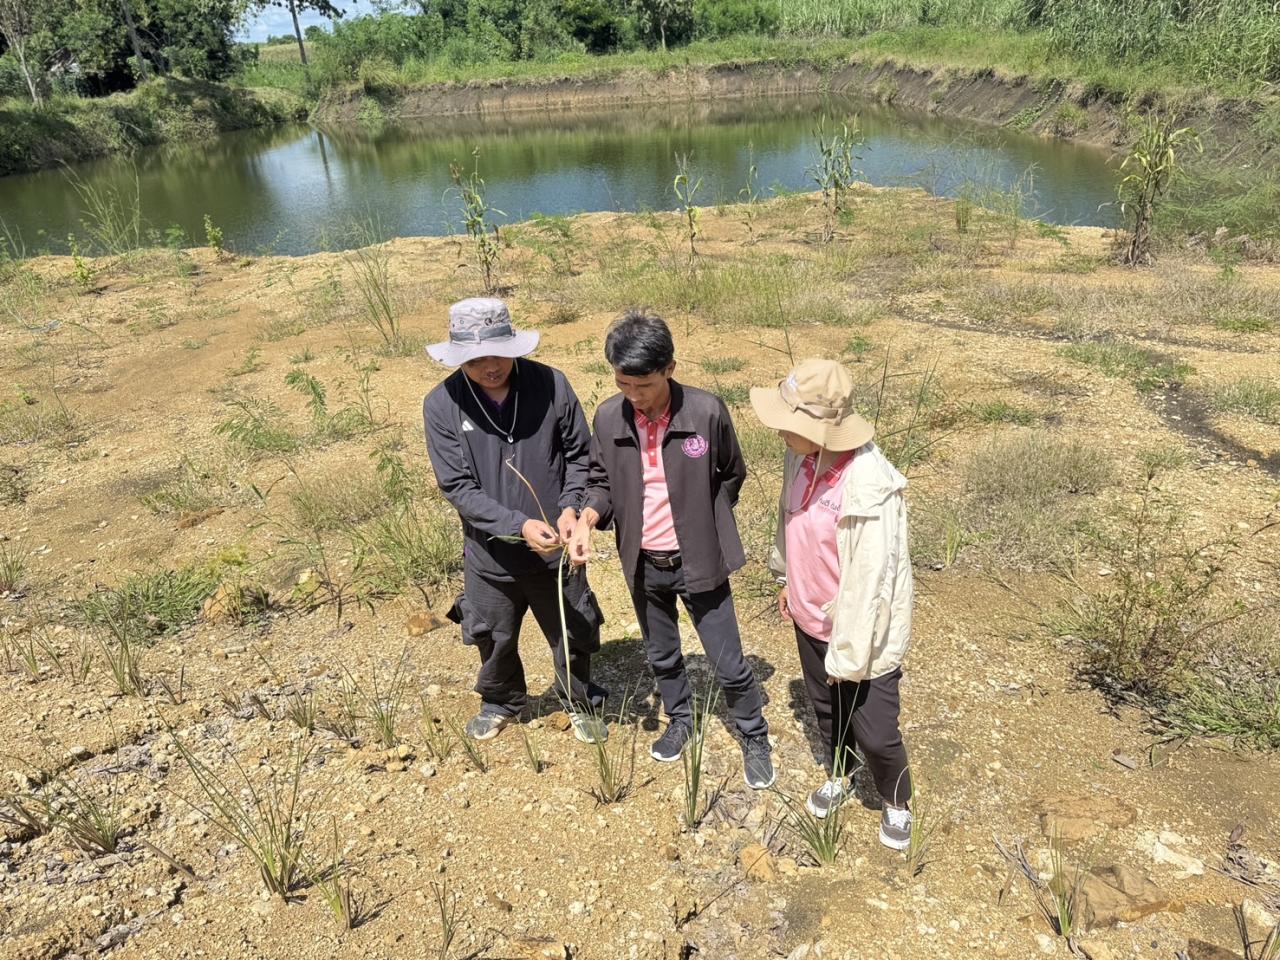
[[1050, 108]]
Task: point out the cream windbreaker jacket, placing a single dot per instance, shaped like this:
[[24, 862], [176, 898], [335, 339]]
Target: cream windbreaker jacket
[[871, 614]]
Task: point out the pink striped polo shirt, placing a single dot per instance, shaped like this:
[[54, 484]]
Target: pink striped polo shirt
[[813, 554], [659, 525]]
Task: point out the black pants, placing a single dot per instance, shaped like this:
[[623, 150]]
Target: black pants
[[654, 594], [491, 612], [863, 713]]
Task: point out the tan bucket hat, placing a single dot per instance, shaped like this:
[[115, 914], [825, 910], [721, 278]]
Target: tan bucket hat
[[815, 401], [481, 327]]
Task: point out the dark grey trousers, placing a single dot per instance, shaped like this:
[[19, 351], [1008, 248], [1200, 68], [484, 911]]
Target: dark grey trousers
[[863, 713], [491, 612], [654, 594]]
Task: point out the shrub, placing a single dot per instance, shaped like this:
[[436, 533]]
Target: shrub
[[1024, 503], [713, 19], [149, 605]]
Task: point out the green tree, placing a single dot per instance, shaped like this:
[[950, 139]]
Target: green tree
[[19, 25], [668, 20], [322, 7]]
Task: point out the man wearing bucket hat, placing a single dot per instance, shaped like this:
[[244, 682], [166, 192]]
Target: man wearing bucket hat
[[665, 472], [841, 556], [508, 441]]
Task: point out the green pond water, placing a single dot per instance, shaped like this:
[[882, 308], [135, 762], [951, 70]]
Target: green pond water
[[299, 189]]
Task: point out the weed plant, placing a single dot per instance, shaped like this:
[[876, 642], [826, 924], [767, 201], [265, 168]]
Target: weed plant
[[437, 735], [13, 566], [835, 171], [334, 884], [370, 267], [476, 213], [1148, 172]]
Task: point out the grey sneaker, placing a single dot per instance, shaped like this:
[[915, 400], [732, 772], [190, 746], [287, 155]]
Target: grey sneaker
[[668, 747], [589, 728], [826, 798], [895, 827], [485, 726], [757, 763]]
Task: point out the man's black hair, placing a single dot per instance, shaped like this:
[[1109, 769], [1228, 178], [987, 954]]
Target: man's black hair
[[639, 343]]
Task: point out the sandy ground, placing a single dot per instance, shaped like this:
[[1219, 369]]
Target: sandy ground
[[1001, 732]]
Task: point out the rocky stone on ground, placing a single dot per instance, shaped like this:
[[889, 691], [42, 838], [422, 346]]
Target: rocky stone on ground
[[1077, 817], [1119, 894], [757, 863], [423, 622]]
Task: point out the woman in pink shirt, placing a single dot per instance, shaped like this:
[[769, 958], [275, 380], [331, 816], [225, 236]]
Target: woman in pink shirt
[[841, 557]]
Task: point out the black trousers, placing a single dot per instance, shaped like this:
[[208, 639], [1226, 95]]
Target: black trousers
[[491, 612], [654, 594], [863, 713]]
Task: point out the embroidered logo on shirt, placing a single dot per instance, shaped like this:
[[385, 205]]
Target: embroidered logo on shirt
[[466, 426], [695, 446]]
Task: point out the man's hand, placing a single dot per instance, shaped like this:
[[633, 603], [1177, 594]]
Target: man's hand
[[567, 523], [580, 546], [784, 611], [539, 536]]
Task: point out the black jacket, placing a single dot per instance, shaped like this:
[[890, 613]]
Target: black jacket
[[469, 458], [705, 470]]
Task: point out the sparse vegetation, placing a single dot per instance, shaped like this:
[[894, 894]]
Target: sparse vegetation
[[270, 819], [1250, 397], [1124, 361]]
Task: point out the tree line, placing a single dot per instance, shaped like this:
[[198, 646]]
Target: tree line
[[94, 47]]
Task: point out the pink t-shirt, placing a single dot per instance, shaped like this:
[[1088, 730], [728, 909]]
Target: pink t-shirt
[[659, 526], [813, 555]]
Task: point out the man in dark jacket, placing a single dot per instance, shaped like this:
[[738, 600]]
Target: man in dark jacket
[[665, 472], [508, 441]]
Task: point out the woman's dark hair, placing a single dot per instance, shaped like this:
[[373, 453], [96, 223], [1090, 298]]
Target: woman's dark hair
[[639, 343]]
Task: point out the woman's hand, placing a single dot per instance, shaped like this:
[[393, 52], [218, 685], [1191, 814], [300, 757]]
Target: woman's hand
[[784, 611]]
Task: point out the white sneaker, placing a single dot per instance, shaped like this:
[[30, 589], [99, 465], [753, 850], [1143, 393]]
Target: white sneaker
[[826, 798], [895, 827]]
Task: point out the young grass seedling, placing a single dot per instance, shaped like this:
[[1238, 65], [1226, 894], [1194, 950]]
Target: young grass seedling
[[923, 828], [437, 737], [615, 759], [469, 746], [697, 803], [334, 884], [686, 189], [381, 701], [447, 906], [269, 820], [532, 749]]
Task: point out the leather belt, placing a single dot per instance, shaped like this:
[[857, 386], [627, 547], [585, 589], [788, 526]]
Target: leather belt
[[663, 559]]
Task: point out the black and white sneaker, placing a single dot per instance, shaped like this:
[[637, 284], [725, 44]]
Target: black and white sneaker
[[668, 747], [486, 726], [757, 763]]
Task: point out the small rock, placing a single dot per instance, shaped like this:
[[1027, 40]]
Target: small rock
[[1046, 943], [1096, 950], [670, 852], [1261, 920], [1201, 950], [1188, 866], [423, 622], [79, 752], [428, 770], [757, 863], [559, 721], [540, 948], [404, 751]]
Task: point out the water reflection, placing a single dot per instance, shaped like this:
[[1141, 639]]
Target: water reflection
[[295, 189]]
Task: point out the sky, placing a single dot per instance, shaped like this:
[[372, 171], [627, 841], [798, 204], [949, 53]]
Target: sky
[[274, 21]]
